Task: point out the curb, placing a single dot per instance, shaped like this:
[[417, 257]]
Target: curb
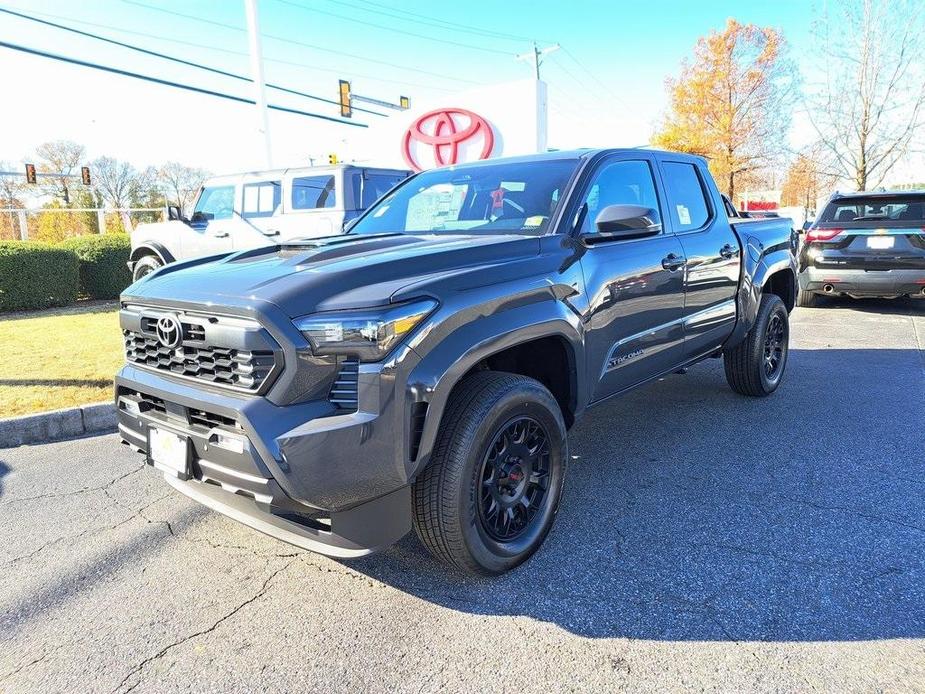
[[58, 425]]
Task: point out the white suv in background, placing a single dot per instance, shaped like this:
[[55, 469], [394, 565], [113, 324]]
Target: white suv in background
[[264, 208]]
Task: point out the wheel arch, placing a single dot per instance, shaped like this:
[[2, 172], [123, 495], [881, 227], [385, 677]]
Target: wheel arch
[[151, 248], [502, 340]]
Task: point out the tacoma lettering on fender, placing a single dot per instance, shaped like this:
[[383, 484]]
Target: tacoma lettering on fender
[[423, 369]]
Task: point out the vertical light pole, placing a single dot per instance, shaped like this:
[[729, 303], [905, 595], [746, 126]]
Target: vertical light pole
[[536, 56], [260, 90]]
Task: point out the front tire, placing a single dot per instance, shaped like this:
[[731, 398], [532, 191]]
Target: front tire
[[755, 366], [488, 498], [145, 265]]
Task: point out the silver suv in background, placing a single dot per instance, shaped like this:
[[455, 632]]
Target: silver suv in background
[[251, 210]]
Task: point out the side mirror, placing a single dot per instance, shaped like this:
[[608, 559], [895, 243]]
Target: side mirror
[[202, 217], [807, 224], [174, 214], [619, 222]]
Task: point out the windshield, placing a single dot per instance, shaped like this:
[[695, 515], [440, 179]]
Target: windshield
[[217, 201], [492, 198], [883, 210]]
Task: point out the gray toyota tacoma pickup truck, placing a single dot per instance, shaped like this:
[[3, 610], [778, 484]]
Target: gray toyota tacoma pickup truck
[[423, 369]]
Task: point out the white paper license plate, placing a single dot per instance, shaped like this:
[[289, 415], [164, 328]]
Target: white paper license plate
[[880, 242], [167, 450]]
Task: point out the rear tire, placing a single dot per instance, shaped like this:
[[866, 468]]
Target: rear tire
[[488, 498], [755, 366], [145, 265], [807, 299]]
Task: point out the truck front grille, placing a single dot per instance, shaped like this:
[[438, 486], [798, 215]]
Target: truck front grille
[[226, 351]]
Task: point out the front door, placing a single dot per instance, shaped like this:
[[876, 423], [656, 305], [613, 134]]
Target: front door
[[635, 287], [212, 224]]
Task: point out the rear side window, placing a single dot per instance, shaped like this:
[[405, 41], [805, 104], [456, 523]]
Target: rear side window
[[686, 199], [313, 192], [261, 199], [882, 210], [369, 189]]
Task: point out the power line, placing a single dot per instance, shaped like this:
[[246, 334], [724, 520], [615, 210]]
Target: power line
[[427, 20], [283, 39], [181, 61], [168, 83], [397, 31], [228, 51]]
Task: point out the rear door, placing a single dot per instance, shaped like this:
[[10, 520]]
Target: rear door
[[314, 205], [261, 212], [635, 287], [712, 249]]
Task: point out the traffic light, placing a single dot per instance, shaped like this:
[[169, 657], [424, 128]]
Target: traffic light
[[404, 102], [346, 111], [85, 175], [30, 173], [332, 159]]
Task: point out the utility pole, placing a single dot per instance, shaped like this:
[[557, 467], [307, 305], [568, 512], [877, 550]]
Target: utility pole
[[260, 90], [536, 56]]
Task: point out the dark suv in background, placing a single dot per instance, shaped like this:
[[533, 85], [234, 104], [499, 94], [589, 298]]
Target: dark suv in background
[[865, 245]]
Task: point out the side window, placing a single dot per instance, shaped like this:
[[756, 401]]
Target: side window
[[375, 186], [261, 199], [620, 183], [686, 198], [217, 201], [312, 192]]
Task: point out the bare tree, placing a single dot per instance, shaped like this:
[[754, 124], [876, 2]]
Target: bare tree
[[60, 157], [871, 104], [116, 182], [10, 189], [180, 183]]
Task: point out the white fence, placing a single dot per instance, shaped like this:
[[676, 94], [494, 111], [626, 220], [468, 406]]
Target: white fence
[[22, 215]]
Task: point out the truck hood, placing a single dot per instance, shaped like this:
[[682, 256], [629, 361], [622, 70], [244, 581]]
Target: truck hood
[[331, 273]]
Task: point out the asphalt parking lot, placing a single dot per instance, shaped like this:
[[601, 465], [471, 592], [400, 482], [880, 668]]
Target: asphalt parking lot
[[706, 541]]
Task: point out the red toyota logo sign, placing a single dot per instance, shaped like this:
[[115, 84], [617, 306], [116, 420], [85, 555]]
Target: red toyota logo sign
[[445, 130]]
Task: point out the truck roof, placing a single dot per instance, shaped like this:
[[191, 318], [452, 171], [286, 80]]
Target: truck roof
[[878, 193], [582, 153]]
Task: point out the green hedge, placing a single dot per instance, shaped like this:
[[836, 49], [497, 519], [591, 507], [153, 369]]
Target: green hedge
[[103, 270], [36, 275]]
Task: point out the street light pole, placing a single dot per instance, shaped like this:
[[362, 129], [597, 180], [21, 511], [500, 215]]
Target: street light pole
[[260, 90]]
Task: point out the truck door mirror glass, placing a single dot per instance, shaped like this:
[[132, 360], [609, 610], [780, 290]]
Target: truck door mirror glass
[[625, 222]]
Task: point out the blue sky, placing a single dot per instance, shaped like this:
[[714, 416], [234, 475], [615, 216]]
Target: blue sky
[[606, 84]]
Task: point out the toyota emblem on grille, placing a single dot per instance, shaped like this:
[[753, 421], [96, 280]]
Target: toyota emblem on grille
[[169, 332]]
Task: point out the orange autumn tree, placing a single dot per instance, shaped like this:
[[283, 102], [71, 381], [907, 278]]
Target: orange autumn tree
[[731, 103]]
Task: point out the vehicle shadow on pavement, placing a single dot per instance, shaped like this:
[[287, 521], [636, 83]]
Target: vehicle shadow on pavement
[[691, 513], [897, 307], [4, 471]]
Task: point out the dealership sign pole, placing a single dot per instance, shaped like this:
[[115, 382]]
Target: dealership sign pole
[[260, 91]]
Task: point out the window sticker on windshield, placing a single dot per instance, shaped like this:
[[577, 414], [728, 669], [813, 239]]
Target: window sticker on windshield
[[534, 221], [684, 214]]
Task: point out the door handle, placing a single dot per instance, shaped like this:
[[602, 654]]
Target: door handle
[[271, 232], [220, 234], [672, 262], [728, 251]]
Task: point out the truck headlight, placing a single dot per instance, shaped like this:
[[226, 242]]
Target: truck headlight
[[369, 333]]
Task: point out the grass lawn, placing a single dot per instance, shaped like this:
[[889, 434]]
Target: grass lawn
[[58, 358]]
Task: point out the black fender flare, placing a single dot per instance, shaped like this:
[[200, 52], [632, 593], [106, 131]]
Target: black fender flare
[[758, 267], [433, 378], [151, 248]]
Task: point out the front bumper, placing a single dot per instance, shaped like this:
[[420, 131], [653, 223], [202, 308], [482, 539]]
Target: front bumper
[[329, 482], [864, 283]]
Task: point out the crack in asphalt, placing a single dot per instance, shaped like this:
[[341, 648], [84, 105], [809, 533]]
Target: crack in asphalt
[[24, 666], [88, 532], [85, 490], [852, 511], [160, 654]]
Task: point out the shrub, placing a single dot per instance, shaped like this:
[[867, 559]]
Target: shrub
[[103, 270], [36, 275]]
